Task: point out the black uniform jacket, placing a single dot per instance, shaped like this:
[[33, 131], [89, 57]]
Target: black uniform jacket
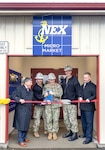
[[71, 89], [37, 91], [89, 92], [22, 111]]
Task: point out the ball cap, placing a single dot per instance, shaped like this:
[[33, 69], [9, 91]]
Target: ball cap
[[68, 68]]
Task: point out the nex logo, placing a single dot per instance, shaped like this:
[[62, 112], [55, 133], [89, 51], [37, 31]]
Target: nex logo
[[54, 29], [46, 29]]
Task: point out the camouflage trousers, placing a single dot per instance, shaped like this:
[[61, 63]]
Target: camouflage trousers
[[70, 117], [52, 118], [38, 112]]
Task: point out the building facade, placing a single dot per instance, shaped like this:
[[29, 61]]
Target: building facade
[[88, 34]]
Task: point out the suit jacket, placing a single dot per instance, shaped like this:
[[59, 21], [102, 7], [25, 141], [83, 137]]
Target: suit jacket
[[22, 111], [89, 92]]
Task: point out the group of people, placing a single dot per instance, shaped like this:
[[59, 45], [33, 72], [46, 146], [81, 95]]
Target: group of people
[[49, 96]]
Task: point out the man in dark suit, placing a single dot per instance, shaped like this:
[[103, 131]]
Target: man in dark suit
[[88, 93], [23, 110]]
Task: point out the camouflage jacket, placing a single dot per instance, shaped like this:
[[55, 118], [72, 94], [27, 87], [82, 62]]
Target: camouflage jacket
[[56, 89]]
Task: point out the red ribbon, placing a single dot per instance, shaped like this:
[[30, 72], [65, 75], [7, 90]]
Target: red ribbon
[[83, 101], [54, 102]]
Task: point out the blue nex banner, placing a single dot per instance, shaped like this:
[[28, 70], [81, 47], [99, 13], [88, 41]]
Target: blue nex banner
[[52, 35]]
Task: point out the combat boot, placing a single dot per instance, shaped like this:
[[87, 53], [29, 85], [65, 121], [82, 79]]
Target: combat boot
[[49, 136], [36, 134], [73, 137], [55, 136], [69, 133]]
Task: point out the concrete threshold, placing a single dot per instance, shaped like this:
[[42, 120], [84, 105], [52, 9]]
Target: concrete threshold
[[43, 143]]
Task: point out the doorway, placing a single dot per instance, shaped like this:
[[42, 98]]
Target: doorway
[[82, 63]]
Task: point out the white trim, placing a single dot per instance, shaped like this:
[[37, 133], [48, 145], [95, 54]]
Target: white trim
[[50, 12]]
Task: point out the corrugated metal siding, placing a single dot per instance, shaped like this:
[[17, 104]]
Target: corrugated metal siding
[[102, 79], [89, 34], [2, 75], [18, 32], [86, 33], [2, 123], [2, 95]]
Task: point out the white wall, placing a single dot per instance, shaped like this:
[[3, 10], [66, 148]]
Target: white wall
[[18, 32], [16, 63], [91, 66], [24, 64], [2, 95]]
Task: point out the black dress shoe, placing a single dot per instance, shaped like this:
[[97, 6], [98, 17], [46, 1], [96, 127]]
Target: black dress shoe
[[87, 141], [73, 137], [82, 136], [69, 133]]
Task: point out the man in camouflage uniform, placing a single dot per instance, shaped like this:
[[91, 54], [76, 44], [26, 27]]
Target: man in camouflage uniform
[[52, 111], [39, 110], [71, 90]]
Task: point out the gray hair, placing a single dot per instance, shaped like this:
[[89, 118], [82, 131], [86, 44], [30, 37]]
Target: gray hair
[[27, 79]]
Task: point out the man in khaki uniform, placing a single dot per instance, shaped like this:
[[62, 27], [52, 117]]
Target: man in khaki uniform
[[52, 111]]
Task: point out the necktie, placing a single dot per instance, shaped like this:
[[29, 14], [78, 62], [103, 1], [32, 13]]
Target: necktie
[[27, 89], [84, 85]]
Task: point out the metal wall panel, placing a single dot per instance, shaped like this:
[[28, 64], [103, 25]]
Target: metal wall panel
[[28, 35], [19, 35], [102, 78], [2, 28], [94, 35], [2, 95], [10, 33], [85, 30], [18, 32], [89, 34], [84, 35]]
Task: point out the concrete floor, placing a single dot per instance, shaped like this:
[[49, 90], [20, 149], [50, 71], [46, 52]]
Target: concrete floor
[[44, 143]]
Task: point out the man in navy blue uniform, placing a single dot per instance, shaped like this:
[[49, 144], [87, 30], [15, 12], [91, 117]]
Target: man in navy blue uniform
[[23, 111], [88, 93]]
